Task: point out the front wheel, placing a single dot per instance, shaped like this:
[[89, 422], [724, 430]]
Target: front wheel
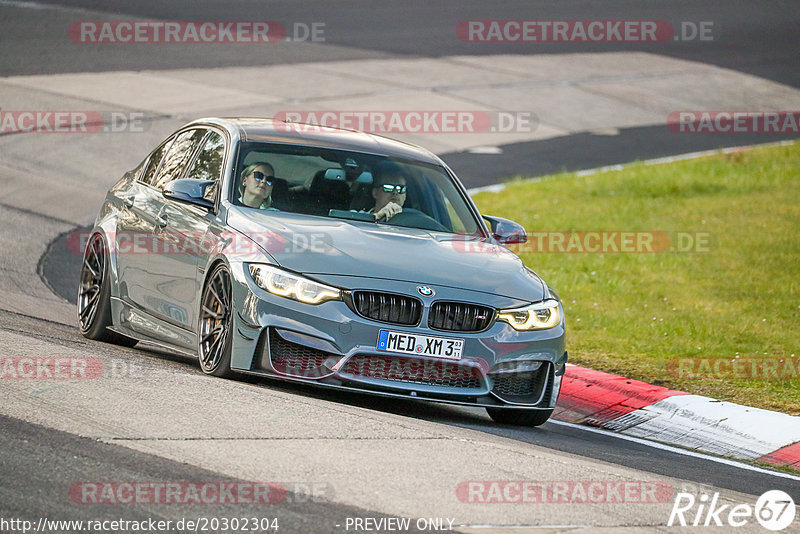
[[519, 417], [214, 328], [94, 296]]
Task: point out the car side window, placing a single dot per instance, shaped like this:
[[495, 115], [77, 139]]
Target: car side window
[[155, 159], [177, 157], [208, 163]]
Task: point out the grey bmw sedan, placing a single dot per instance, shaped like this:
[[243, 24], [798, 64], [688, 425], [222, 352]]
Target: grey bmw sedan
[[324, 256]]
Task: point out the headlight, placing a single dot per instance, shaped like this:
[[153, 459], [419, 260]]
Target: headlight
[[285, 284], [538, 316]]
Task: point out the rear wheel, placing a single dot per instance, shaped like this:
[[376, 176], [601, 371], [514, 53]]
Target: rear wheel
[[214, 329], [94, 296], [519, 417]]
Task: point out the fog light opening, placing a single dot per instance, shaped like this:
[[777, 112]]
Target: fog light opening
[[519, 366]]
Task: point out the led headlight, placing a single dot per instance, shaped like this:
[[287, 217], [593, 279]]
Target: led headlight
[[537, 316], [285, 284]]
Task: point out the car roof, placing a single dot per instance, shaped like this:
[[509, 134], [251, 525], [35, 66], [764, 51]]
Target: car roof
[[277, 131]]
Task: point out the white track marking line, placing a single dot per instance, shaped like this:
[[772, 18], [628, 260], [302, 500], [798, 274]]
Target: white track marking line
[[677, 450]]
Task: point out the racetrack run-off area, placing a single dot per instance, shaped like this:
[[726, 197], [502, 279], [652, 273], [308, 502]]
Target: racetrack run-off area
[[494, 110]]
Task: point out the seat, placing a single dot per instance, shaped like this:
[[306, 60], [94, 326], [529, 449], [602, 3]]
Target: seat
[[280, 195], [362, 198], [326, 194]]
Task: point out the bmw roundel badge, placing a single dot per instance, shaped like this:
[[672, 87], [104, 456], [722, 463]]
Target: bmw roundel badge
[[425, 291]]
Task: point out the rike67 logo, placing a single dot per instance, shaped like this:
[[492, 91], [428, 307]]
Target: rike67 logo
[[774, 510]]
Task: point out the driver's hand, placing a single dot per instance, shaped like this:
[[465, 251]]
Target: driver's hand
[[388, 211]]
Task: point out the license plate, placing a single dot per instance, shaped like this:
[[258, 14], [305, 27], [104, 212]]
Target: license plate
[[437, 347]]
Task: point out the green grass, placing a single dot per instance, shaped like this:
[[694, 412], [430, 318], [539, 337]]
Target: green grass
[[629, 313]]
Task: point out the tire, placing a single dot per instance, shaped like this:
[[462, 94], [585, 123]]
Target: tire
[[94, 296], [519, 417], [214, 338]]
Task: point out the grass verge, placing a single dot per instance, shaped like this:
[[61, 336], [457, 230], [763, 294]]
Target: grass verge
[[715, 299]]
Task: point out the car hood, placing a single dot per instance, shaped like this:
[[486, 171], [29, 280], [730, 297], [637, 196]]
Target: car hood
[[326, 246]]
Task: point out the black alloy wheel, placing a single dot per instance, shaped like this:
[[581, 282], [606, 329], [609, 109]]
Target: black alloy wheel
[[94, 296], [214, 328]]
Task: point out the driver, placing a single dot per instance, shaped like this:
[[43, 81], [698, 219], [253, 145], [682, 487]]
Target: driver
[[388, 190], [256, 186]]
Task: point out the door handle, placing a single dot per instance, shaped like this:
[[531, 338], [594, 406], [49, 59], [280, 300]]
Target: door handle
[[161, 220], [128, 201]]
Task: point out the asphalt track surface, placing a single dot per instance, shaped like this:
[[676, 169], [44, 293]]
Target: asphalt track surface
[[70, 458], [755, 37], [38, 464]]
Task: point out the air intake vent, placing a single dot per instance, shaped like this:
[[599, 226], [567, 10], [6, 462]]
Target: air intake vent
[[523, 387], [298, 360], [415, 371], [387, 307]]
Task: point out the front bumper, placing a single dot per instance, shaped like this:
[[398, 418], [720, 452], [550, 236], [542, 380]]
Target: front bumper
[[331, 345]]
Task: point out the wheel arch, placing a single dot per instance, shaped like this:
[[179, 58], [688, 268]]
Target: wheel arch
[[210, 269], [206, 275], [214, 265], [107, 228]]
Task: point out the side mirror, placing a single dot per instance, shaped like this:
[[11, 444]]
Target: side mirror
[[505, 231], [189, 191]]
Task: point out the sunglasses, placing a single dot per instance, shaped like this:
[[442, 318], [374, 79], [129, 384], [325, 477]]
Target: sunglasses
[[260, 177], [391, 188]]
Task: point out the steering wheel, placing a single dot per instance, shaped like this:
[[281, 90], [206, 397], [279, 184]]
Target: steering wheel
[[412, 218]]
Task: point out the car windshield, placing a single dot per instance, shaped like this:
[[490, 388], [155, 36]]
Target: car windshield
[[351, 185]]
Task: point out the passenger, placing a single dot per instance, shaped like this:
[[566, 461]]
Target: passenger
[[388, 190], [256, 187]]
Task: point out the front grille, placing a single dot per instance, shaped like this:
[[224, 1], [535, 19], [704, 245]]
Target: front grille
[[298, 360], [387, 307], [413, 371], [525, 386], [460, 317]]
